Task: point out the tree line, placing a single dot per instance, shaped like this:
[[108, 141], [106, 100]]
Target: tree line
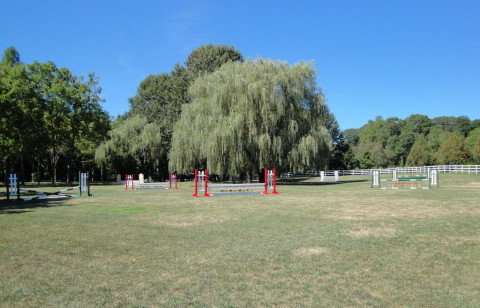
[[414, 141], [217, 110], [51, 120]]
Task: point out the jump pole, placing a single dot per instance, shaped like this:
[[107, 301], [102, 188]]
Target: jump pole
[[126, 181], [265, 192], [84, 183], [275, 192], [174, 176], [13, 188], [196, 184], [206, 194]]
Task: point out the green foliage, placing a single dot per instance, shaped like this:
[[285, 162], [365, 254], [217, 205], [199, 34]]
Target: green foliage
[[135, 140], [453, 151], [413, 141], [419, 154], [208, 58], [472, 143], [48, 113], [160, 97], [11, 57], [251, 115]]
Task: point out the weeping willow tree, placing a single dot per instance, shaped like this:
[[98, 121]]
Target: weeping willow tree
[[133, 140], [251, 115]]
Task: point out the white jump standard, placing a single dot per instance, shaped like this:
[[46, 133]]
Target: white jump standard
[[328, 176], [201, 185]]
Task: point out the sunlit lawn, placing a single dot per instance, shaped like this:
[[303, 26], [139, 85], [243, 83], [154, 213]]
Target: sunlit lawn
[[330, 245]]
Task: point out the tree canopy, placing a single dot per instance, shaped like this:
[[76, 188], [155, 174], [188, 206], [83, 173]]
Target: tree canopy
[[208, 58], [414, 141], [48, 114], [160, 97], [251, 115]]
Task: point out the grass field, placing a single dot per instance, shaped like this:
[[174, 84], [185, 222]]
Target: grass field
[[314, 245]]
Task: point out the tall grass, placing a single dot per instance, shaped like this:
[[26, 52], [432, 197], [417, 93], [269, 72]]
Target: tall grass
[[330, 245]]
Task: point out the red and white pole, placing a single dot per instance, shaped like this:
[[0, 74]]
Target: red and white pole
[[196, 184], [131, 178], [206, 184], [169, 181], [275, 182], [176, 187], [265, 192]]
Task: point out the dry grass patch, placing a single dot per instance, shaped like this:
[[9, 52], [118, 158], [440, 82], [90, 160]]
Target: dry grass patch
[[374, 232], [181, 220], [416, 209], [309, 252]]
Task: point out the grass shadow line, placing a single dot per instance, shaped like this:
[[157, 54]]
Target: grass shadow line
[[20, 206]]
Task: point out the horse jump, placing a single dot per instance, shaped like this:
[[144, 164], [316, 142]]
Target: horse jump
[[328, 176], [133, 185], [83, 181], [409, 182], [201, 184]]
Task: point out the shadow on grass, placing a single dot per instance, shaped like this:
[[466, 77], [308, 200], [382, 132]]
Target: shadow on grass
[[307, 182], [14, 206]]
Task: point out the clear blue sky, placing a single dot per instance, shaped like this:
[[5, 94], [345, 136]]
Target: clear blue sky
[[374, 57]]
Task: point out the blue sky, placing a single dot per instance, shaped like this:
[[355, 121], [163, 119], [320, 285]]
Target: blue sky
[[382, 57]]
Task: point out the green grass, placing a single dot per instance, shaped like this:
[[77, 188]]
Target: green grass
[[330, 245]]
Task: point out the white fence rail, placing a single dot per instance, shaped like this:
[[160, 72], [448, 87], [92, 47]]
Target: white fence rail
[[475, 169]]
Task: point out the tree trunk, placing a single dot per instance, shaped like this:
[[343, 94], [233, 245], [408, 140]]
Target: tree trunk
[[22, 169], [33, 174], [53, 162]]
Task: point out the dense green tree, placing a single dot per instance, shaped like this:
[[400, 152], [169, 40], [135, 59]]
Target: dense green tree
[[20, 113], [11, 57], [72, 117], [137, 142], [208, 58], [251, 115], [160, 97], [460, 125], [418, 124], [390, 142], [351, 136], [342, 156], [472, 143], [419, 154], [48, 114], [378, 142], [453, 151]]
